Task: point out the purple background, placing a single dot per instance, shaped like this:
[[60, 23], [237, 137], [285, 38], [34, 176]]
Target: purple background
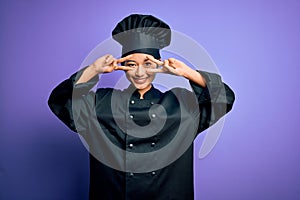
[[254, 43]]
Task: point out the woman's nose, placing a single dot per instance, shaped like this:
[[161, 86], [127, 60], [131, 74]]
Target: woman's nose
[[140, 71]]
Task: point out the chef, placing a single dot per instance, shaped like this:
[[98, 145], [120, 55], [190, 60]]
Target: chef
[[140, 139]]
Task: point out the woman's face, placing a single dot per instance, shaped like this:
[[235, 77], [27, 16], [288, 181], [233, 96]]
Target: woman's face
[[139, 76]]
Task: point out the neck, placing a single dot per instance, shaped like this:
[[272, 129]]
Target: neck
[[144, 90]]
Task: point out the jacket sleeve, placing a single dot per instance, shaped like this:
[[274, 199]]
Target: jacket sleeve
[[64, 96], [215, 100]]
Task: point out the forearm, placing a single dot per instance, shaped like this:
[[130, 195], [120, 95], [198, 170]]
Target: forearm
[[194, 76], [89, 73], [104, 64]]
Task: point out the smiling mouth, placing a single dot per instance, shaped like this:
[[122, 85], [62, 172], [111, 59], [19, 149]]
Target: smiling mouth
[[139, 80]]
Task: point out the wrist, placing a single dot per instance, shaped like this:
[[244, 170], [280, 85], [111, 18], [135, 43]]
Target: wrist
[[195, 77], [189, 73], [94, 69]]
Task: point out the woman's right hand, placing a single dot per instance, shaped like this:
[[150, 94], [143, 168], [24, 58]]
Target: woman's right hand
[[108, 63], [104, 64]]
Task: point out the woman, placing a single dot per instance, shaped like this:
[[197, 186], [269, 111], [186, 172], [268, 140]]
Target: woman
[[141, 139]]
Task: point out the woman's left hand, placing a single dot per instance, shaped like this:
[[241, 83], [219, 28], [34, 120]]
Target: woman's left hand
[[178, 68], [169, 66]]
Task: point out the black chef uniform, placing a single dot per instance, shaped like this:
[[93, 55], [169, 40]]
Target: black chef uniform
[[108, 119]]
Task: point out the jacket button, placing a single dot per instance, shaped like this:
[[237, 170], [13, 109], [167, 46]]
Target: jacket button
[[130, 145], [152, 103], [131, 174], [132, 102], [131, 116], [152, 144], [153, 115], [153, 173]]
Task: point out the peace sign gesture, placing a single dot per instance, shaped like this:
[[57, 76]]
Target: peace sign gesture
[[170, 66], [178, 68], [108, 63], [104, 64]]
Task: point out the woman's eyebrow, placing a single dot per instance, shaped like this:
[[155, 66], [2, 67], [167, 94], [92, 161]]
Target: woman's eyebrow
[[130, 61]]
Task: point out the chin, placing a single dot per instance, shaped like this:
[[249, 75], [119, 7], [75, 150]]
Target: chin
[[141, 83], [141, 86]]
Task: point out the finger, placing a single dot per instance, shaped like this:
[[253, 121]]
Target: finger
[[124, 59], [108, 56], [109, 59], [115, 62], [158, 62], [168, 68], [156, 70], [172, 61], [167, 65], [125, 68]]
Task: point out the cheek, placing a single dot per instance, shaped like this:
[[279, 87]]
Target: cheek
[[152, 75], [128, 74]]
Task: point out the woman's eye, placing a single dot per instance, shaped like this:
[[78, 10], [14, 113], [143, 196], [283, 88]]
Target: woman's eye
[[148, 64], [130, 65]]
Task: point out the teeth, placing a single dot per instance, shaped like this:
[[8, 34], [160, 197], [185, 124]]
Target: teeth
[[139, 80]]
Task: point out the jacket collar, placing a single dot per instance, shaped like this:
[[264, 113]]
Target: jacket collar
[[153, 93]]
